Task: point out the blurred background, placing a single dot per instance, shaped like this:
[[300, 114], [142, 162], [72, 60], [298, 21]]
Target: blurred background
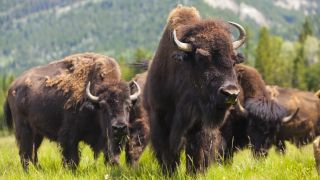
[[283, 35]]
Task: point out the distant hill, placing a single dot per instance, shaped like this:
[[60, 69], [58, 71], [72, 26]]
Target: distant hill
[[34, 32]]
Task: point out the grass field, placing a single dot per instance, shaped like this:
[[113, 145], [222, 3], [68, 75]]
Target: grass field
[[296, 164]]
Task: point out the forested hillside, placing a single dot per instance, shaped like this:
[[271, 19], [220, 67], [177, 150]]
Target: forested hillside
[[36, 31]]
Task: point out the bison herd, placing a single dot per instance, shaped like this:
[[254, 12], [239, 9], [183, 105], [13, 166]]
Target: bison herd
[[195, 96]]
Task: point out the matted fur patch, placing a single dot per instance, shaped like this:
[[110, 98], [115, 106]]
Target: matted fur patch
[[80, 69]]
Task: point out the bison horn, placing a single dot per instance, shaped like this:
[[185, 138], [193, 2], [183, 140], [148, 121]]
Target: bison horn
[[290, 117], [236, 44], [241, 109], [135, 95], [90, 96], [182, 46]]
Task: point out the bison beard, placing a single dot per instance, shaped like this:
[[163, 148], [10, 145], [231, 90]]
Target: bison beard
[[190, 85], [58, 109]]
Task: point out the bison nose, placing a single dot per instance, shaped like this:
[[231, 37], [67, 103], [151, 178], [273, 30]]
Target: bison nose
[[119, 127], [231, 91]]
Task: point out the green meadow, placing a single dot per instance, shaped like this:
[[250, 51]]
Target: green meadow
[[296, 164]]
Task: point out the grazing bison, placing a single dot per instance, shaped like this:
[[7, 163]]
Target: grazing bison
[[306, 125], [139, 131], [191, 83], [255, 119], [56, 101]]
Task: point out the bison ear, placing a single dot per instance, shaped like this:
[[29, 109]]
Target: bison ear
[[240, 58]]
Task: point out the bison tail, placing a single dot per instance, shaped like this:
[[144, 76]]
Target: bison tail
[[8, 115]]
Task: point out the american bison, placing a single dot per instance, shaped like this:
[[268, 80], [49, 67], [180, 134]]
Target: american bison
[[255, 119], [191, 83], [79, 98], [306, 125], [139, 128]]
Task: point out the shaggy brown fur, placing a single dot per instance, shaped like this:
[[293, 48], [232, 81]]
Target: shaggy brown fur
[[260, 126], [77, 74], [188, 82], [317, 94], [139, 128], [36, 100], [316, 153], [306, 125]]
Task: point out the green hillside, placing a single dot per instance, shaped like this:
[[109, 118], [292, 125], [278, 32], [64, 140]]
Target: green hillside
[[34, 32]]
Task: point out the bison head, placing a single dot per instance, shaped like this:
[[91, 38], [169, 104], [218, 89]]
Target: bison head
[[206, 51], [264, 120], [112, 104]]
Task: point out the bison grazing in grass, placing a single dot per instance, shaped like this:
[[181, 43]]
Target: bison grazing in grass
[[256, 118], [79, 98], [191, 84], [306, 125]]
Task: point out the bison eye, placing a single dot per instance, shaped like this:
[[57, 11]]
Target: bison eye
[[179, 56]]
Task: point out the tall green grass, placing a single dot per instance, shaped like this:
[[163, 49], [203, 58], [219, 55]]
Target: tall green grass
[[296, 164]]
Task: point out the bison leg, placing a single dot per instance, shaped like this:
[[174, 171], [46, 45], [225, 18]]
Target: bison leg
[[24, 139], [70, 151], [316, 151], [196, 157], [138, 140], [70, 155], [280, 147], [167, 159], [37, 140]]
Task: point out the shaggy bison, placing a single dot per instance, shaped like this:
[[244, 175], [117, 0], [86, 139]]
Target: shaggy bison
[[256, 118], [139, 131], [79, 98], [306, 125], [191, 83]]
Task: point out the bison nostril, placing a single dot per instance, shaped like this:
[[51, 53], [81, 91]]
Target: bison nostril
[[230, 91], [120, 127]]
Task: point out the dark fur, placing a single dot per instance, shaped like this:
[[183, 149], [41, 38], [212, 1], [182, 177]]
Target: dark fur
[[8, 115], [306, 125], [139, 131], [260, 127], [38, 111], [181, 93]]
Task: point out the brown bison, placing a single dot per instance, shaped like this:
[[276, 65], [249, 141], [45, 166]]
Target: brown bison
[[306, 125], [191, 83], [139, 131], [56, 101], [256, 118]]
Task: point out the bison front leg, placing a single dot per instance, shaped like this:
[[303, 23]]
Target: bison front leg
[[280, 147], [70, 151], [138, 140], [197, 156]]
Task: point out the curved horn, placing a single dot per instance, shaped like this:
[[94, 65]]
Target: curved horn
[[135, 95], [290, 117], [89, 95], [182, 46], [242, 37], [240, 108]]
